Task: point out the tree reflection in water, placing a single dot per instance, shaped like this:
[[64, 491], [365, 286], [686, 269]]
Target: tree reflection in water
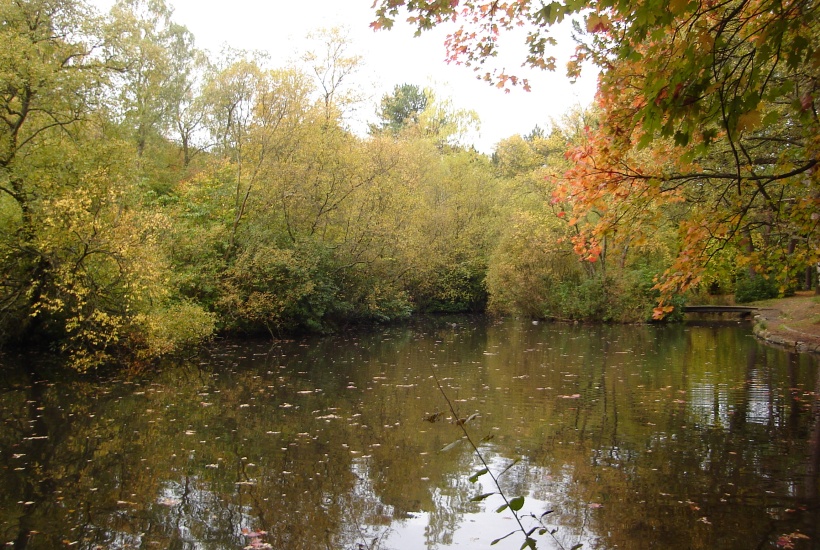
[[683, 437]]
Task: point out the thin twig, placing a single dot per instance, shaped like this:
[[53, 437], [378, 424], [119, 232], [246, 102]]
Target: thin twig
[[462, 425]]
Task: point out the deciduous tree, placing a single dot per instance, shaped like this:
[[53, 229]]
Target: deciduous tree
[[721, 97]]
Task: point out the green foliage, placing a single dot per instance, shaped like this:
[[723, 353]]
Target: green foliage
[[452, 289], [150, 196], [706, 109], [530, 260], [625, 298], [276, 290], [154, 57], [401, 109], [78, 249], [751, 288], [173, 328]]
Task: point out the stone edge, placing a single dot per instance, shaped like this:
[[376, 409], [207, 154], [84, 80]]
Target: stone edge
[[766, 336]]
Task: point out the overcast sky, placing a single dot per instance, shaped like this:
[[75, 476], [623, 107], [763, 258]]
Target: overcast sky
[[279, 27]]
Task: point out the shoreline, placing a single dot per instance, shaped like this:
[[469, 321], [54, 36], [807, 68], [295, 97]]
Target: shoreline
[[791, 323]]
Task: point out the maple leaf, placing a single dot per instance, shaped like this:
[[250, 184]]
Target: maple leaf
[[749, 121]]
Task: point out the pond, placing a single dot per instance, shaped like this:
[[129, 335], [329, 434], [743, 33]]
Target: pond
[[680, 437]]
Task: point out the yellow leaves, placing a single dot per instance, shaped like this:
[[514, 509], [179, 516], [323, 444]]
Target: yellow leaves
[[705, 40], [598, 23], [170, 328], [677, 7], [749, 121]]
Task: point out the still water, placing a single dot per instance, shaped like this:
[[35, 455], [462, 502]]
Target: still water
[[682, 437]]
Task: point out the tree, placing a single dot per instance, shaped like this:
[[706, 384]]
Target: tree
[[333, 66], [51, 67], [187, 106], [402, 108], [721, 95], [231, 94], [450, 228], [156, 57], [537, 266], [78, 257]]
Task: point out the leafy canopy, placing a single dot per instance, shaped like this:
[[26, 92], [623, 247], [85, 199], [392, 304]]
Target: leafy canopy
[[709, 118]]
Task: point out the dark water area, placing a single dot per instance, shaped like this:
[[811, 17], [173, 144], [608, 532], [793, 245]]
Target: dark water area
[[682, 437]]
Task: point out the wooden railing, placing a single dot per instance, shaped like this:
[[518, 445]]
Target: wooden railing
[[744, 311]]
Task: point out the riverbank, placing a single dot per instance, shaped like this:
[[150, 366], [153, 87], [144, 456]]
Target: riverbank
[[793, 322]]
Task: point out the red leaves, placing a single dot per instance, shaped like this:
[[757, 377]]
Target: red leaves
[[788, 541], [806, 101], [255, 539], [598, 23]]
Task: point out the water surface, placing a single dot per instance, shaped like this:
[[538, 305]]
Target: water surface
[[680, 437]]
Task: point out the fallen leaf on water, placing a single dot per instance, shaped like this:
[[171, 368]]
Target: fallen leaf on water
[[257, 545]]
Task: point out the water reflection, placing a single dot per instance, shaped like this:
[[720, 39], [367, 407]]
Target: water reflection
[[680, 437]]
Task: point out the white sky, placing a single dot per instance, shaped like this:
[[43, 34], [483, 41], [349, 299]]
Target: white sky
[[392, 57]]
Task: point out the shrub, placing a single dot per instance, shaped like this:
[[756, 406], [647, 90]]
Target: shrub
[[174, 328], [754, 288]]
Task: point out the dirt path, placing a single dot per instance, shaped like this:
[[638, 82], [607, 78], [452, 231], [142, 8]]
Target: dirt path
[[790, 322]]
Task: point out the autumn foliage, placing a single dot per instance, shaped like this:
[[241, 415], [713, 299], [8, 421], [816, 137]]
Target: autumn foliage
[[708, 124], [152, 195]]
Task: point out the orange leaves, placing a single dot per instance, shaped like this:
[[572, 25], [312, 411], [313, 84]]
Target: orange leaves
[[503, 81], [661, 311], [587, 247], [615, 197], [479, 26]]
